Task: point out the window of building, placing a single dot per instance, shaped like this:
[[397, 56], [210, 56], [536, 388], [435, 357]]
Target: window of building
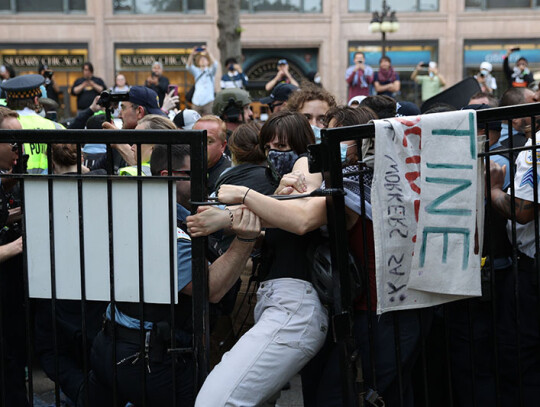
[[38, 6], [397, 5], [489, 4], [161, 6], [296, 6]]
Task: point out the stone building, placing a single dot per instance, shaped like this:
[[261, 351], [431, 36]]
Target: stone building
[[126, 36]]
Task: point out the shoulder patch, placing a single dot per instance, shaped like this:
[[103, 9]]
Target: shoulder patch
[[180, 234]]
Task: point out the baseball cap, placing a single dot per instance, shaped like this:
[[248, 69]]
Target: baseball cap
[[406, 109], [282, 62], [280, 93], [146, 97], [487, 66], [356, 99], [186, 119]]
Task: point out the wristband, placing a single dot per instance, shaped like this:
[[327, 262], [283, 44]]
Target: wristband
[[231, 216], [244, 198], [246, 240]]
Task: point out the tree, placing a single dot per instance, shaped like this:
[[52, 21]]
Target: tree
[[229, 30]]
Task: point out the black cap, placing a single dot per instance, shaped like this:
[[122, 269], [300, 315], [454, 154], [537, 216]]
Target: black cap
[[280, 93], [23, 87], [404, 108]]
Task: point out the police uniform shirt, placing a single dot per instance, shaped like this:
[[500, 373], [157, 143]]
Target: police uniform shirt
[[183, 244], [524, 189]]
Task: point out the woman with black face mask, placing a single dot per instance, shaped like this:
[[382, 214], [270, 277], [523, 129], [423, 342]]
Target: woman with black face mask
[[290, 321]]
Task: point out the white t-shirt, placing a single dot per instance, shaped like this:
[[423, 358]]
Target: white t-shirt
[[524, 189]]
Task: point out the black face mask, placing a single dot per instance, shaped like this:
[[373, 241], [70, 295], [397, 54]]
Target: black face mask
[[281, 162]]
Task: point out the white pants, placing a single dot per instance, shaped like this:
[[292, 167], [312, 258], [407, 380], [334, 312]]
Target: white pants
[[290, 328]]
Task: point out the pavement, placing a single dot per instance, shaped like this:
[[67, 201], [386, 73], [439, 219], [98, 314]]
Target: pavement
[[44, 394]]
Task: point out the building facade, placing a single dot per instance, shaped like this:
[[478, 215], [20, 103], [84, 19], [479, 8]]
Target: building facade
[[126, 36]]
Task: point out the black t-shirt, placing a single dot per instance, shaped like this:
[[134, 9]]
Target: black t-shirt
[[88, 94], [160, 89], [256, 177], [284, 254], [215, 171]]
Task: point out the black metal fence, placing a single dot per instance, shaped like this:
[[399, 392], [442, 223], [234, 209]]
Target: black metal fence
[[473, 352], [18, 310]]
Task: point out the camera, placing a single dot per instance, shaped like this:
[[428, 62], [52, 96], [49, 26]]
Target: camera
[[48, 74], [230, 67], [199, 49], [482, 74], [515, 49], [425, 65], [106, 99]]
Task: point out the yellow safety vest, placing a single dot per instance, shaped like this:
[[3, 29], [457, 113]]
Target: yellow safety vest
[[37, 153], [132, 170]]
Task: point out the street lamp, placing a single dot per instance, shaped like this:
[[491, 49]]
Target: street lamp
[[384, 22]]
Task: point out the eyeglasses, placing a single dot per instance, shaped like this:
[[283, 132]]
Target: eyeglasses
[[14, 147], [272, 106]]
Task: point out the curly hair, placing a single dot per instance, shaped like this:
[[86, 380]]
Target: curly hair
[[308, 93]]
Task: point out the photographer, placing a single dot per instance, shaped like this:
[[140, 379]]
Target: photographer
[[50, 85], [233, 77], [520, 76], [432, 83], [486, 81], [157, 82], [87, 87], [282, 76], [202, 65], [359, 76]]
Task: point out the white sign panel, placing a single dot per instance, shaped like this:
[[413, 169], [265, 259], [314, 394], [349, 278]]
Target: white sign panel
[[96, 257], [427, 199]]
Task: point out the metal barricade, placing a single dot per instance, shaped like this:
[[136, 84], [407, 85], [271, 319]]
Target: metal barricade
[[435, 378], [196, 140]]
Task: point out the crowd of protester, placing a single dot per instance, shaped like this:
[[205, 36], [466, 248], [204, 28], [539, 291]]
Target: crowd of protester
[[247, 162]]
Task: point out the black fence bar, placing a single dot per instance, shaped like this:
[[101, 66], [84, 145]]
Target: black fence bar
[[196, 140], [111, 274], [325, 158]]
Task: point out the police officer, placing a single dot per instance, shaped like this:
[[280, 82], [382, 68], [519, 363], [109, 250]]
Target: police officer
[[23, 93], [12, 388], [157, 319]]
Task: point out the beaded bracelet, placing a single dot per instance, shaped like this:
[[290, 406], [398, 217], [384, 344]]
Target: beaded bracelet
[[246, 240], [244, 199], [231, 216]]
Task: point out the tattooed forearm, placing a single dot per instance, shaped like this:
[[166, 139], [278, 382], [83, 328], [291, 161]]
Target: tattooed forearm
[[501, 202]]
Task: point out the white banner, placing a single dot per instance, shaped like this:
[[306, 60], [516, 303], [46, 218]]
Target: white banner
[[427, 207]]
